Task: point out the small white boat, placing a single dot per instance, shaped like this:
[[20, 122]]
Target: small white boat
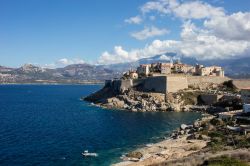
[[87, 154]]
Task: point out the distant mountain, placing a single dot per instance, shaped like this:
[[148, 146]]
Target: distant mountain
[[84, 73], [77, 73]]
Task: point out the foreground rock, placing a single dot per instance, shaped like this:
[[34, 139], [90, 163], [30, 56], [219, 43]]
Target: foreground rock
[[205, 141], [218, 98]]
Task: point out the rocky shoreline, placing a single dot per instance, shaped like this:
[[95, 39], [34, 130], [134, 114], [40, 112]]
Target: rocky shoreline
[[182, 142], [189, 145], [192, 144]]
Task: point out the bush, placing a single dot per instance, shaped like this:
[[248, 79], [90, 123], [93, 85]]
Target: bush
[[224, 161], [230, 86], [216, 122]]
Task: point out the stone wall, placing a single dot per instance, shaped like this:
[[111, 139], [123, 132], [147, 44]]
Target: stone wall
[[155, 84], [209, 99], [195, 80], [119, 85], [175, 83], [163, 84]]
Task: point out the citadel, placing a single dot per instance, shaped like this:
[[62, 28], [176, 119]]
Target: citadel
[[167, 77]]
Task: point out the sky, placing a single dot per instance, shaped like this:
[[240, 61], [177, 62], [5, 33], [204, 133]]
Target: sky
[[55, 33]]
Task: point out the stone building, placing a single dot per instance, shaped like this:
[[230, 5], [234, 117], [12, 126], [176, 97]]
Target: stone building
[[143, 70], [178, 67], [165, 68], [245, 95], [209, 71]]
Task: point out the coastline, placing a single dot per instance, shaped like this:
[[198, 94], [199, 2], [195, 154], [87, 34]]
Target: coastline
[[90, 83], [175, 146], [203, 136], [206, 140]]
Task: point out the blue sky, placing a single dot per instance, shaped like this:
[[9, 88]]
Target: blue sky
[[60, 32]]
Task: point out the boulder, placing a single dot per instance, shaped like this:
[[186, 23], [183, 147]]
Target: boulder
[[196, 124], [182, 132], [184, 126], [193, 136], [137, 155], [134, 109]]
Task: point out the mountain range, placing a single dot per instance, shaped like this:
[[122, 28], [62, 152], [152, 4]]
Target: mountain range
[[76, 73], [86, 73]]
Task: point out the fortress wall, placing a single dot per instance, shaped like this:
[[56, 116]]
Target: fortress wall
[[115, 85], [241, 83], [175, 83], [165, 84], [119, 85], [139, 81], [194, 80], [155, 84]]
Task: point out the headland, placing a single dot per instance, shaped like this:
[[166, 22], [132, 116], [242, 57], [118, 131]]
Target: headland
[[181, 87]]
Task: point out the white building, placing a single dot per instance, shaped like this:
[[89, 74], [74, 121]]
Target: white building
[[245, 95], [144, 70]]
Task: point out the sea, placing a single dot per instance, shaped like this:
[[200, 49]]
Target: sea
[[51, 125]]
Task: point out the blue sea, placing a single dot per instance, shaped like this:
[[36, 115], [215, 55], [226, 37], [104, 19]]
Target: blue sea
[[50, 125]]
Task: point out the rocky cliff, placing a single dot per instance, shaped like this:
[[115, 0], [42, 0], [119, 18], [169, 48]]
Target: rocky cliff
[[193, 98]]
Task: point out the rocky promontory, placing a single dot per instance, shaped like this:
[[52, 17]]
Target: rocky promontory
[[194, 98], [206, 141]]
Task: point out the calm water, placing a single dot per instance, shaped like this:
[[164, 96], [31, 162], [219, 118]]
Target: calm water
[[49, 125]]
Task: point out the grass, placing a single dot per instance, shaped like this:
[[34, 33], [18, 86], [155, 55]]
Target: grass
[[225, 161]]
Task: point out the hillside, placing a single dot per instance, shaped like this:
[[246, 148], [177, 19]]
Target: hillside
[[77, 73]]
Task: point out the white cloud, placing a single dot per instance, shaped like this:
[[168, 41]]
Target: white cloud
[[185, 10], [221, 36], [202, 44], [165, 57], [197, 10], [50, 66], [65, 61], [234, 27], [134, 20], [149, 32], [156, 47], [195, 42], [161, 6]]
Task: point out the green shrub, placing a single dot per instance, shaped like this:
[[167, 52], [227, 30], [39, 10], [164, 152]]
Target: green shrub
[[216, 122], [225, 161]]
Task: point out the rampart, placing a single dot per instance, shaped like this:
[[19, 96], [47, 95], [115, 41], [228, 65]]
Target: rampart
[[163, 84], [196, 80], [175, 83]]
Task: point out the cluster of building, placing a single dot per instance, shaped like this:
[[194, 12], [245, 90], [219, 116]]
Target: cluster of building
[[177, 67], [245, 95]]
